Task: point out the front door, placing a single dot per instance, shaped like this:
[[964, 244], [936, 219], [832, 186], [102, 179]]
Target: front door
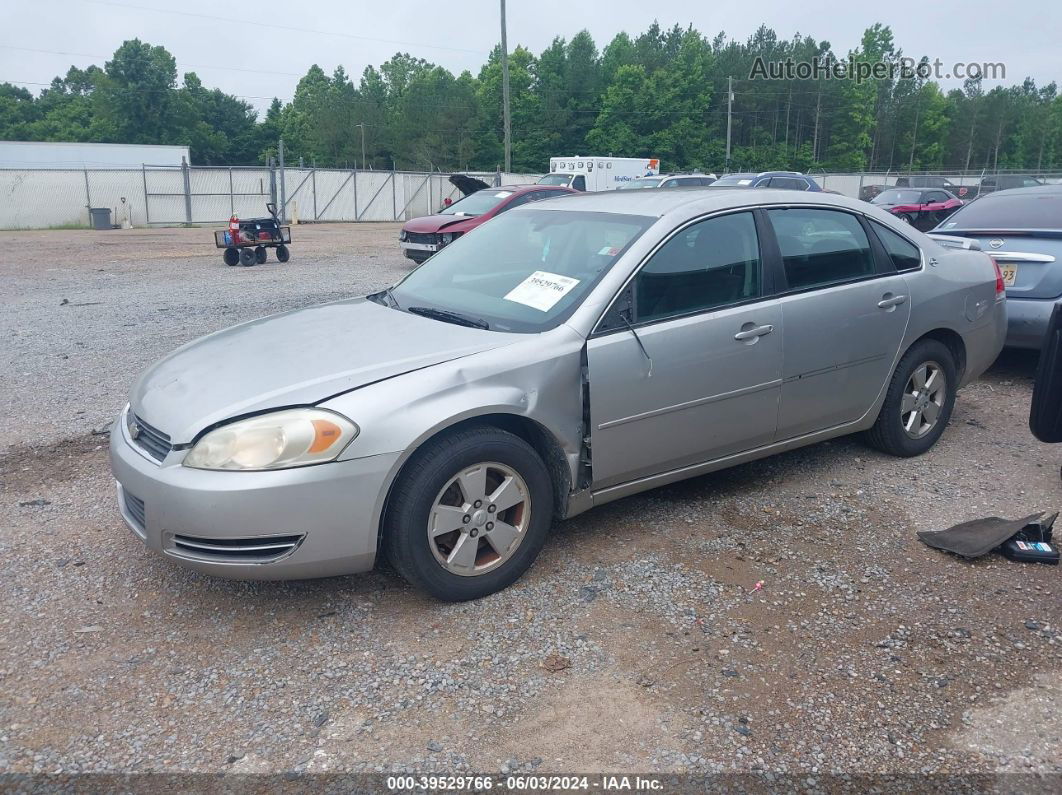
[[844, 312], [686, 366]]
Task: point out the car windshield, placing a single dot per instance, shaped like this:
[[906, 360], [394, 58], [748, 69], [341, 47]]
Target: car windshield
[[1035, 209], [482, 201], [524, 271], [555, 179], [734, 179], [644, 182], [898, 197]]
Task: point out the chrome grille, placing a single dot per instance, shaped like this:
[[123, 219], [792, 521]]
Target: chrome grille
[[134, 506], [153, 441], [421, 237], [260, 549]]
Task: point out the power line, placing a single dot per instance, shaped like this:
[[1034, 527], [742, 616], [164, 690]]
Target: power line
[[185, 63], [246, 21]]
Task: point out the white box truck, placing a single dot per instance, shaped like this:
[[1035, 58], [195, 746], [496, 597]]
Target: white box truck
[[598, 173]]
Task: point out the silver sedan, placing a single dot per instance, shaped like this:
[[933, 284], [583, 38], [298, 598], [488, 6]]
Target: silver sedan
[[564, 355]]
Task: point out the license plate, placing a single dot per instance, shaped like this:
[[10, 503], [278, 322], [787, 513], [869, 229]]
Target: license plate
[[1010, 274], [420, 246]]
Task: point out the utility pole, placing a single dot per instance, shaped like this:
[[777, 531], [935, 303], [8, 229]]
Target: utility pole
[[729, 108], [283, 190], [507, 122], [815, 142], [362, 143]]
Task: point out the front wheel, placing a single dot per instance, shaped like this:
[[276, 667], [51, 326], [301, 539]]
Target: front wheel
[[283, 255], [469, 514], [919, 401], [260, 255], [231, 256], [247, 258]]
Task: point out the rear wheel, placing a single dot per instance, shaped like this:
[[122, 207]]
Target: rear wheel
[[919, 401], [283, 255], [260, 255], [469, 514], [232, 256]]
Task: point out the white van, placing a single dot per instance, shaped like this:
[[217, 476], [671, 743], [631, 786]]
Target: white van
[[598, 173]]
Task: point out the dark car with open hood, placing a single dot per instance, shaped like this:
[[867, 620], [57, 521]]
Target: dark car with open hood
[[422, 237]]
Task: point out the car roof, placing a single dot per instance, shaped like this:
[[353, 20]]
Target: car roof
[[1036, 190], [780, 174], [524, 188], [660, 202]]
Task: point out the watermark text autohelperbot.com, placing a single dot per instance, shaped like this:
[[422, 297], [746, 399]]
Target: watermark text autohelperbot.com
[[851, 69]]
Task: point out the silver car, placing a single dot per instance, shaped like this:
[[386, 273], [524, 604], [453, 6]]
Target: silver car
[[564, 355]]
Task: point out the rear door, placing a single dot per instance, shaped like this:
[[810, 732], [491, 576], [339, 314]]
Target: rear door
[[844, 309], [686, 365]]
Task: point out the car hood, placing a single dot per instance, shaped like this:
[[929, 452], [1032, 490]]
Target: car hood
[[296, 358], [436, 223]]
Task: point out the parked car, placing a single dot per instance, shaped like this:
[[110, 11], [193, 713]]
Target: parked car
[[998, 182], [569, 353], [670, 181], [790, 180], [868, 192], [1022, 231], [422, 237], [923, 208]]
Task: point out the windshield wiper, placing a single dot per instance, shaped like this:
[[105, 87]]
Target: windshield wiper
[[449, 317]]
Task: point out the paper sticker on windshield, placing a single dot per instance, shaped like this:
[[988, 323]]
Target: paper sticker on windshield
[[541, 290], [609, 251], [502, 194]]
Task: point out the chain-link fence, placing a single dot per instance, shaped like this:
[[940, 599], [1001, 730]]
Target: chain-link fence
[[169, 196]]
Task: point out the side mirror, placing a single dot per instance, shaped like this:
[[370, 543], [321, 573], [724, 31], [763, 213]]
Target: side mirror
[[1045, 414]]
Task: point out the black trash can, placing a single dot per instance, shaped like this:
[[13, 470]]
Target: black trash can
[[100, 217]]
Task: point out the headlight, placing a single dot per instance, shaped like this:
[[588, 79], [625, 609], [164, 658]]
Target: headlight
[[445, 238], [402, 235], [282, 439]]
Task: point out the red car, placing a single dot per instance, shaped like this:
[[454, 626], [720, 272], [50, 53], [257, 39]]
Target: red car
[[422, 237], [923, 208]]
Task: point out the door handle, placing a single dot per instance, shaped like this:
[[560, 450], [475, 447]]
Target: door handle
[[889, 301], [753, 333]]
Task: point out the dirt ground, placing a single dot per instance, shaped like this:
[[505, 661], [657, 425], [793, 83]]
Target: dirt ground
[[637, 643]]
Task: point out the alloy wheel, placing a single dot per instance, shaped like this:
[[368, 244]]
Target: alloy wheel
[[923, 399], [479, 519]]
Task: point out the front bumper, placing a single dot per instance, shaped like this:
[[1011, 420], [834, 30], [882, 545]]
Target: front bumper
[[328, 515], [1027, 320]]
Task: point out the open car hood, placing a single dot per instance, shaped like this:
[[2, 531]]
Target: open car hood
[[467, 184]]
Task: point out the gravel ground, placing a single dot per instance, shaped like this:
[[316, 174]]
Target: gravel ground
[[636, 643]]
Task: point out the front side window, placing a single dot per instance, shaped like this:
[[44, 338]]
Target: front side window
[[708, 264], [579, 183], [821, 247], [789, 183], [555, 179], [523, 272], [903, 253]]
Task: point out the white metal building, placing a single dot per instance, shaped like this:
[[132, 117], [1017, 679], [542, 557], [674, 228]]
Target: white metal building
[[52, 154]]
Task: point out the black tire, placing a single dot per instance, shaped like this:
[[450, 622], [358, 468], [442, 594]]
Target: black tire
[[260, 255], [232, 256], [283, 255], [247, 258], [405, 531], [888, 433]]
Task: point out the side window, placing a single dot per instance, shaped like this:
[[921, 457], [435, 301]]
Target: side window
[[579, 183], [903, 253], [821, 247], [935, 196], [708, 264], [516, 202], [1029, 182], [789, 183], [670, 183]]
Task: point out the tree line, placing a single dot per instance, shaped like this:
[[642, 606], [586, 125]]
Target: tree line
[[661, 94]]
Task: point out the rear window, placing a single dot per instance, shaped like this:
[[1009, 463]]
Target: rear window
[[645, 182], [1032, 210], [735, 179]]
